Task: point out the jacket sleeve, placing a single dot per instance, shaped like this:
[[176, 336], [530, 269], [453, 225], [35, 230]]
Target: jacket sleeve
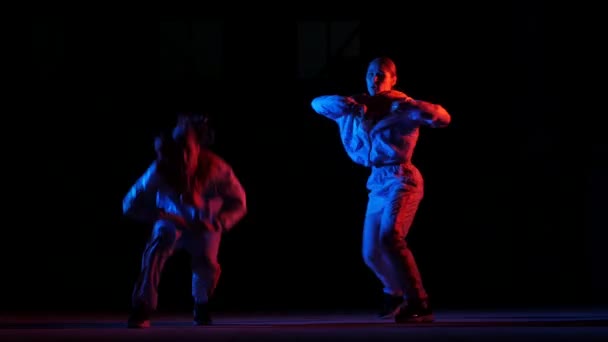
[[336, 106], [234, 206], [140, 201]]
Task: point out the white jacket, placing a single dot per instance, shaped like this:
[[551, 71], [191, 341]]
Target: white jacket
[[224, 202], [391, 140]]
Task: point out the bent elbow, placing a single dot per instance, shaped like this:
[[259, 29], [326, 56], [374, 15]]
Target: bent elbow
[[445, 121], [317, 105], [443, 118], [126, 205], [127, 208], [243, 206]]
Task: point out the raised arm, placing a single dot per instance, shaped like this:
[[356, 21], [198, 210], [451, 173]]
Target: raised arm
[[336, 106]]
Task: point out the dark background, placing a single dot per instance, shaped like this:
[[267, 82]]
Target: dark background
[[512, 214]]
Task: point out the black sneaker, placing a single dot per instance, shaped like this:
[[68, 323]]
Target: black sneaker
[[202, 314], [139, 318], [391, 306], [419, 312]]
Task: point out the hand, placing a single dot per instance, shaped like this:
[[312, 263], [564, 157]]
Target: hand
[[204, 224], [208, 226], [180, 221], [413, 113], [350, 106], [401, 105], [192, 198]]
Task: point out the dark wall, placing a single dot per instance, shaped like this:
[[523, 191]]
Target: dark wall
[[503, 222]]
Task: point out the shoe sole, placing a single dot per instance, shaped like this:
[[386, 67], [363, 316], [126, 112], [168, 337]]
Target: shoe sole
[[396, 310], [391, 315]]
